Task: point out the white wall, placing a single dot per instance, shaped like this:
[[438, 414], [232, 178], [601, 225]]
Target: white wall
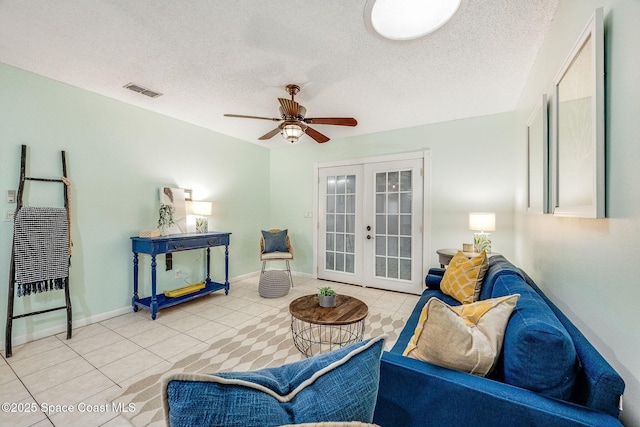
[[118, 156], [589, 267]]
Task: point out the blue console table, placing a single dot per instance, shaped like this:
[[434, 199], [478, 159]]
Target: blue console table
[[175, 243]]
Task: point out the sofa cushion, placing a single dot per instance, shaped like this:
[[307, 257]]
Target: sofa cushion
[[275, 242], [498, 266], [338, 386], [538, 352], [466, 338], [463, 277]]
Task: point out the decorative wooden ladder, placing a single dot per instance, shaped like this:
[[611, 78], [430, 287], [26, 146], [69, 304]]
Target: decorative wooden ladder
[[12, 266]]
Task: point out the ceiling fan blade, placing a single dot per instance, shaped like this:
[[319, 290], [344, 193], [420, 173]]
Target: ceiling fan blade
[[289, 107], [320, 138], [339, 121], [270, 134], [252, 117]]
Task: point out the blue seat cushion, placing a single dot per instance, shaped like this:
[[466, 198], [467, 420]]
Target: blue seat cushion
[[338, 386], [538, 352], [275, 242]]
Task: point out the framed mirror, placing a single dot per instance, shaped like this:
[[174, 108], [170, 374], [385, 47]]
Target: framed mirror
[[537, 197], [578, 110]]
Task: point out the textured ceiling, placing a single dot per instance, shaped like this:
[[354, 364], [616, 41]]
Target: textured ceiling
[[236, 56]]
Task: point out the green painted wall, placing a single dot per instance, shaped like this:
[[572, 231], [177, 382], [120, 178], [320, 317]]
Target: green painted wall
[[118, 157], [590, 267], [466, 176]]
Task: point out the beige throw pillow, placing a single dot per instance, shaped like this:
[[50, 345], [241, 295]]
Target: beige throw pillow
[[463, 277], [466, 338]]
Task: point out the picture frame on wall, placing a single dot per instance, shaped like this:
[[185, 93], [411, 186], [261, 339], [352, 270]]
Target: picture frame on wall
[[578, 172], [175, 197], [537, 196]]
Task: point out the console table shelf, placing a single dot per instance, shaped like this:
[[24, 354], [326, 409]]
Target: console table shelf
[[174, 243]]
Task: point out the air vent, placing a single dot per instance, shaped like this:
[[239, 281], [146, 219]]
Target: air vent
[[144, 91]]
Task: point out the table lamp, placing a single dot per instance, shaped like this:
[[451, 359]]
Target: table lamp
[[201, 210], [481, 223]]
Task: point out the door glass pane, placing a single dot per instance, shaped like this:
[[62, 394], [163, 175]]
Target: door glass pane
[[392, 246], [329, 264], [405, 269], [340, 184], [339, 262], [405, 181], [340, 203], [381, 182], [405, 225], [350, 243], [394, 225], [351, 184], [405, 247], [393, 203], [381, 246], [381, 205], [340, 223], [330, 242], [349, 263], [340, 243], [350, 223], [331, 203], [331, 185], [393, 184], [331, 222], [405, 202], [392, 268], [350, 206], [381, 266]]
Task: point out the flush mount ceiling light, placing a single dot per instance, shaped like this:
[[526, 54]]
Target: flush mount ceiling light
[[408, 19]]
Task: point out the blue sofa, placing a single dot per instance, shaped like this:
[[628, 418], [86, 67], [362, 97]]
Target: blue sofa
[[548, 374]]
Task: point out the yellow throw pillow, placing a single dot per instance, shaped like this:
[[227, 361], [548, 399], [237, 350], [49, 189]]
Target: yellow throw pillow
[[466, 338], [463, 277]]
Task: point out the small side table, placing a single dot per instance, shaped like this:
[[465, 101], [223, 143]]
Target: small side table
[[445, 255], [318, 329]]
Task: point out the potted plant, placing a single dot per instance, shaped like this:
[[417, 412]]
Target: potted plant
[[165, 219], [327, 297]]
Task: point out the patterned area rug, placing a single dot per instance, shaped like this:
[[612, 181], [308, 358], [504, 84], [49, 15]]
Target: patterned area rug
[[265, 345]]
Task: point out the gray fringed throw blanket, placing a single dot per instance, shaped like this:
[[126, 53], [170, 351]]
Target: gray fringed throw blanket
[[41, 238]]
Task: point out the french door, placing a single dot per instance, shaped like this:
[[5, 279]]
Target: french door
[[370, 224]]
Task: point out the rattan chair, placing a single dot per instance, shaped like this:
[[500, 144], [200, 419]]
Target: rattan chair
[[271, 284]]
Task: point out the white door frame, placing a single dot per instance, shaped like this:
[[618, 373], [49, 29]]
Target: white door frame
[[426, 188]]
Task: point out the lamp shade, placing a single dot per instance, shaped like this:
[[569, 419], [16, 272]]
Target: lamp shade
[[201, 208], [480, 221], [291, 132]]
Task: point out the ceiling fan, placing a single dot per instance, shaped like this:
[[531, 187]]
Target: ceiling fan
[[294, 123]]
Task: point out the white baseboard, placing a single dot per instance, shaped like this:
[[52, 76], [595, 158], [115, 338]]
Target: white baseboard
[[84, 321], [77, 323]]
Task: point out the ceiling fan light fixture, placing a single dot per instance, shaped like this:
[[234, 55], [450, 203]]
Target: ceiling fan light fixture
[[291, 132], [408, 19]]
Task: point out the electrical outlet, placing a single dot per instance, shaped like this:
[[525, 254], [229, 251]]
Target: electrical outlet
[[308, 215], [178, 273], [8, 215]]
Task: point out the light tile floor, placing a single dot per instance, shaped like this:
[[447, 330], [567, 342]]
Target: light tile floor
[[59, 382]]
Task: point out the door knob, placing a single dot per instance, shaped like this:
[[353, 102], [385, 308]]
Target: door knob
[[369, 237]]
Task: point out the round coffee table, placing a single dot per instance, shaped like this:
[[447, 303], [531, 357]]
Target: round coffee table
[[318, 329]]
